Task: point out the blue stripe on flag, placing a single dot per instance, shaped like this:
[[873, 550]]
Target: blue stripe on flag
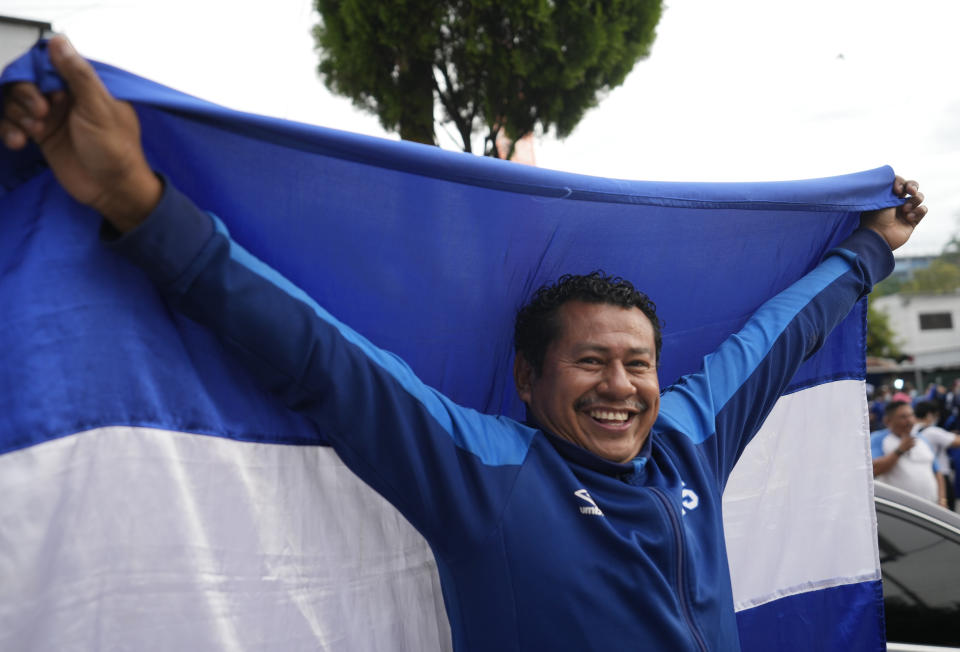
[[839, 619]]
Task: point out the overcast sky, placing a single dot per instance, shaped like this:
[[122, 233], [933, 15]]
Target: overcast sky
[[737, 90]]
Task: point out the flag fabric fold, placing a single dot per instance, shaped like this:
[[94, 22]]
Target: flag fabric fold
[[156, 498]]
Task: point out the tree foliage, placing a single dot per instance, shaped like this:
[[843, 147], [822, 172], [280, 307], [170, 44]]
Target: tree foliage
[[951, 251], [941, 276], [490, 65], [886, 287], [881, 338]]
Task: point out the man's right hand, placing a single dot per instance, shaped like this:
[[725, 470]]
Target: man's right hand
[[90, 140], [906, 443]]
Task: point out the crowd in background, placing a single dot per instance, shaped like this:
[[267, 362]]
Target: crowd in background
[[915, 439]]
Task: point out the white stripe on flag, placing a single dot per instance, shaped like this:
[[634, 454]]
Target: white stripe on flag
[[798, 508], [165, 540], [134, 538]]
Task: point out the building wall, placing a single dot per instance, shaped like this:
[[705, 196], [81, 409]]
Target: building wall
[[928, 326], [17, 36]]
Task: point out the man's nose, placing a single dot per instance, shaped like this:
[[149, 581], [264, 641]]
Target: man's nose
[[616, 382]]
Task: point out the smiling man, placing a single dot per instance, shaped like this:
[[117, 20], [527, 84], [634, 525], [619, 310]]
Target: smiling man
[[598, 525], [586, 365]]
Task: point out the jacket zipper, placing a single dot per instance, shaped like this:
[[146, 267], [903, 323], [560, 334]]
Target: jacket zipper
[[681, 591]]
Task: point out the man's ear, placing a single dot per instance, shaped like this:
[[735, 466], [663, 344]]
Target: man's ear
[[523, 375]]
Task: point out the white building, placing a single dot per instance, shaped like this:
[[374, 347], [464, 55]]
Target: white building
[[928, 326], [17, 35]]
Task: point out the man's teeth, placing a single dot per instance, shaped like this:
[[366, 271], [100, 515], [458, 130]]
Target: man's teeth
[[609, 415]]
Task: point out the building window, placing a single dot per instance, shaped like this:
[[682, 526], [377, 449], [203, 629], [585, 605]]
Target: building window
[[930, 321]]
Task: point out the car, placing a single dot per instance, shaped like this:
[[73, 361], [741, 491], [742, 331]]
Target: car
[[919, 544]]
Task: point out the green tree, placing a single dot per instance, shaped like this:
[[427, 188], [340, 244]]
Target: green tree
[[881, 339], [940, 276], [951, 252], [889, 285], [491, 66]]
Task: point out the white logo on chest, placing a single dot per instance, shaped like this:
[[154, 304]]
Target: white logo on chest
[[591, 507], [689, 499]]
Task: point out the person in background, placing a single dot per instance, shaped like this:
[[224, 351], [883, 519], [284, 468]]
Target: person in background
[[904, 460], [951, 404], [940, 440]]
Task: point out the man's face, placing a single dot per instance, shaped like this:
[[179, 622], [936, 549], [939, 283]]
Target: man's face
[[598, 387], [901, 421]]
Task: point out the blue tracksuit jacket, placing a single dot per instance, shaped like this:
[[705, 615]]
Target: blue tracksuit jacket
[[540, 545]]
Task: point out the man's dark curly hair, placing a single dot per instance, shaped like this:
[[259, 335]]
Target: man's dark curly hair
[[537, 325]]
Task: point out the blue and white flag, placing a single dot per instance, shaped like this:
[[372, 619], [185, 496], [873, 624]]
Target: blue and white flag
[[153, 498]]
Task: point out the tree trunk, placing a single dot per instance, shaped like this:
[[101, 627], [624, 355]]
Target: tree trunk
[[416, 121]]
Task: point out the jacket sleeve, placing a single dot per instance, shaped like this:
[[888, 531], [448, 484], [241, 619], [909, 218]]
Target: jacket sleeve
[[732, 394], [447, 468]]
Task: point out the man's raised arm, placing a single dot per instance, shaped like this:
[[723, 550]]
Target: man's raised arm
[[407, 441]]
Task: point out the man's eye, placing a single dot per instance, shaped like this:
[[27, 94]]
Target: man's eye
[[590, 361]]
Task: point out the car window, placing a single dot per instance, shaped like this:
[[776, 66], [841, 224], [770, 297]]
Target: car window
[[921, 579]]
